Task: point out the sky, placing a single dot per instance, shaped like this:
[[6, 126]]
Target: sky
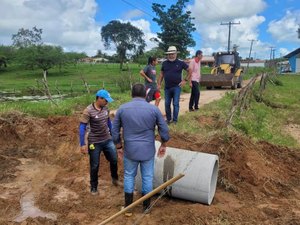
[[76, 24]]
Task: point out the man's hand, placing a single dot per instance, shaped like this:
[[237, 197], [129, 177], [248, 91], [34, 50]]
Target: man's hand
[[84, 149], [182, 83], [161, 151], [120, 152], [149, 80]]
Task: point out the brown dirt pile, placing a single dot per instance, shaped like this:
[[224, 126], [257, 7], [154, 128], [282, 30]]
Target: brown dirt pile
[[258, 183]]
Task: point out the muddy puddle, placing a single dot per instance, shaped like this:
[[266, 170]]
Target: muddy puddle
[[31, 177], [28, 209]]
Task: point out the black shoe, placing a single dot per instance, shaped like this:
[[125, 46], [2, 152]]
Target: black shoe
[[146, 205], [191, 110], [116, 182], [94, 191], [168, 122]]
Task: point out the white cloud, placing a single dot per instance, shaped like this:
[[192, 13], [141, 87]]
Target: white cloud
[[68, 23], [283, 52], [210, 11], [133, 14], [214, 37], [285, 29]]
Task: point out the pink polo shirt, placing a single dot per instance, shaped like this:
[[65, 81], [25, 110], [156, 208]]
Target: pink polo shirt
[[195, 67]]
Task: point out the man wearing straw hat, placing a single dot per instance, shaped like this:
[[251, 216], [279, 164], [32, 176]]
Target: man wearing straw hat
[[171, 72]]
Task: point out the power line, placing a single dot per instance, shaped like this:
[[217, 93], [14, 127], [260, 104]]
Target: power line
[[134, 6], [229, 33], [216, 8]]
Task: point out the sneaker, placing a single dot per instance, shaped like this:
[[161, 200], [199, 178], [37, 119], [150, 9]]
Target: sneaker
[[116, 182], [94, 191]]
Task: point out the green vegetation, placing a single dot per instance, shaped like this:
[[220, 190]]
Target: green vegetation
[[126, 38], [176, 25], [96, 75], [266, 120], [63, 107], [252, 71]]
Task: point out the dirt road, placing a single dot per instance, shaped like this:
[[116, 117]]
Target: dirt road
[[206, 97]]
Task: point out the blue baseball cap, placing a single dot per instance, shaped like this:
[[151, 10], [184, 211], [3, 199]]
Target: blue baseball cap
[[104, 94]]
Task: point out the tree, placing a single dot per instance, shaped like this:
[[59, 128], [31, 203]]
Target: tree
[[176, 26], [143, 59], [48, 56], [73, 57], [41, 56], [25, 37], [125, 37], [3, 61], [7, 54]]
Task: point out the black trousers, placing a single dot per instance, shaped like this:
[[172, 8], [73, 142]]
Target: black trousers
[[195, 95]]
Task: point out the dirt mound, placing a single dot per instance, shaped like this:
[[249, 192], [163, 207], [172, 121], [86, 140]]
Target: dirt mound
[[258, 183]]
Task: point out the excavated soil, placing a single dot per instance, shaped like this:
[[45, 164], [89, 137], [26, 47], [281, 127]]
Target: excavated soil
[[42, 172]]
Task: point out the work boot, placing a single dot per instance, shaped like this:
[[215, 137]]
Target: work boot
[[146, 205], [128, 201]]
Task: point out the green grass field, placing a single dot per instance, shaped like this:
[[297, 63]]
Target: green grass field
[[69, 77]]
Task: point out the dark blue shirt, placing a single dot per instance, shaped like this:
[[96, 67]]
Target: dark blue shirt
[[138, 119], [172, 71]]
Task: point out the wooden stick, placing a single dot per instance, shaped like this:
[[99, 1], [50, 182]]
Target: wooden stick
[[150, 194]]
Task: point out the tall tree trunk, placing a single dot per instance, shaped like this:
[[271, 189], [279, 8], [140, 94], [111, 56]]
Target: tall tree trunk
[[121, 63]]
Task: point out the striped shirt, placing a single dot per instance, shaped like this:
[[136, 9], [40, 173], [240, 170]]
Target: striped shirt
[[97, 119]]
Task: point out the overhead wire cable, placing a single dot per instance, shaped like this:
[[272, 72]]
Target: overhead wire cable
[[138, 8]]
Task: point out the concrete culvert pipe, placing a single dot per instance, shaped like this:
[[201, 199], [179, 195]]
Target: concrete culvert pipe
[[200, 170]]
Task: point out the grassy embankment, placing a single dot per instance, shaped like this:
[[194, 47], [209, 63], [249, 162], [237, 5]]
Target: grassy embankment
[[262, 120]]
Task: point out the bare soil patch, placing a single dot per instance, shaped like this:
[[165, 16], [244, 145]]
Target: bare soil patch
[[294, 130], [258, 183]]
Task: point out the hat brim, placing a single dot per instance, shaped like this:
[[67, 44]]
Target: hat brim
[[109, 100], [171, 52]]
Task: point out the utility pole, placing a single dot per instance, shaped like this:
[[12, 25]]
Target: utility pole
[[250, 52], [271, 52], [299, 32], [274, 53], [229, 33]]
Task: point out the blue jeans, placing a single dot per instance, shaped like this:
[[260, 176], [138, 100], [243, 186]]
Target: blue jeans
[[110, 153], [172, 94], [130, 171]]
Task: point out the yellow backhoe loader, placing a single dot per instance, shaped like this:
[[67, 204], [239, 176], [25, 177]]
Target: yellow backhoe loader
[[226, 72]]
